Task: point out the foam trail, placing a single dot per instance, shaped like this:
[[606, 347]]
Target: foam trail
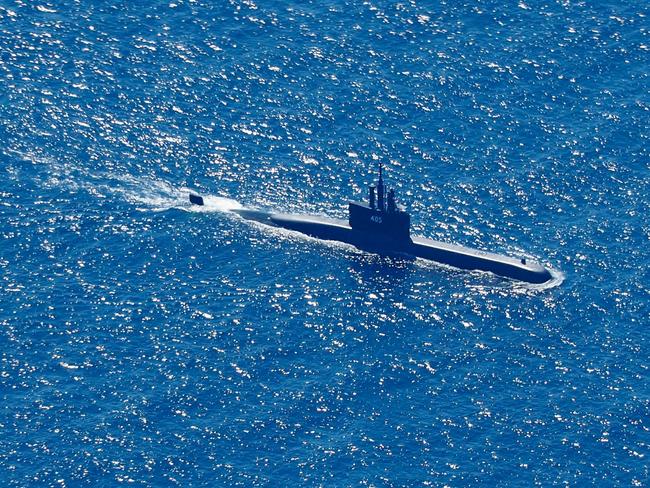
[[159, 196], [156, 195], [149, 194], [216, 204]]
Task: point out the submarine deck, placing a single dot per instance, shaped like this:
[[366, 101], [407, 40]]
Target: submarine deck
[[450, 254]]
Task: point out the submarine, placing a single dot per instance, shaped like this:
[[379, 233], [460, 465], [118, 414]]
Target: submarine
[[382, 226]]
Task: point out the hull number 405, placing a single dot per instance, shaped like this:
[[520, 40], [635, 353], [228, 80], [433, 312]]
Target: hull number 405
[[376, 219]]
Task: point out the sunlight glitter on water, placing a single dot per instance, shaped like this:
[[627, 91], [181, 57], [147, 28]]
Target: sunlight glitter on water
[[148, 340]]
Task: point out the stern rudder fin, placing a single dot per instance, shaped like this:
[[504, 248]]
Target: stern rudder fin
[[196, 199]]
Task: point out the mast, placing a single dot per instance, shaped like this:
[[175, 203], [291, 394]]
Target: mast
[[391, 205], [380, 190]]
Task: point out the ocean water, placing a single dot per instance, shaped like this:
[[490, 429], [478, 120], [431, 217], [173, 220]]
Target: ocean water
[[148, 343]]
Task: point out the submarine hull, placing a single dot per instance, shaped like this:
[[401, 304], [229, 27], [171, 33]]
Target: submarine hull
[[441, 252]]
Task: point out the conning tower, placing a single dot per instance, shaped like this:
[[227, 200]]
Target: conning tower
[[383, 218]]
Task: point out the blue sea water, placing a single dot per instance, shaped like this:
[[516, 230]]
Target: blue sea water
[[148, 343]]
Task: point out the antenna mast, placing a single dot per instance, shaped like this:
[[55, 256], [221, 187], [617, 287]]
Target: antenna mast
[[380, 190]]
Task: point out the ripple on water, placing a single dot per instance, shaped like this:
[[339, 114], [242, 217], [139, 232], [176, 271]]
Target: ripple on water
[[146, 340]]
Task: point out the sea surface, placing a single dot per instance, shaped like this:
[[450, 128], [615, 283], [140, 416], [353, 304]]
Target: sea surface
[[144, 342]]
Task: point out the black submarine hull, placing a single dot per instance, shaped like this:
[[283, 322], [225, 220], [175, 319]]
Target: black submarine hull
[[440, 252]]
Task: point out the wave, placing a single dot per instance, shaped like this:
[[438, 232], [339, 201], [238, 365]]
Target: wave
[[147, 193], [158, 195]]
